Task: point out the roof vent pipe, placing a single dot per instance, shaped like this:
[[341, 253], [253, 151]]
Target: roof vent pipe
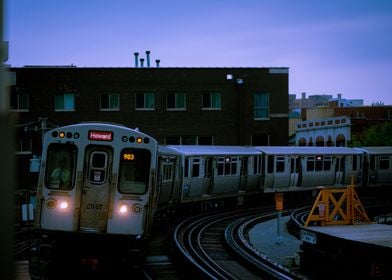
[[148, 58], [136, 59], [141, 62], [157, 61]]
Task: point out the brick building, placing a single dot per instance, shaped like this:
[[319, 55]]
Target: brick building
[[202, 106]]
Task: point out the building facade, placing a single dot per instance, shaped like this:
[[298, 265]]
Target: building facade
[[199, 106], [336, 126]]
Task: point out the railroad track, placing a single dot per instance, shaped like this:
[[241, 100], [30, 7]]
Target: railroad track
[[200, 241]]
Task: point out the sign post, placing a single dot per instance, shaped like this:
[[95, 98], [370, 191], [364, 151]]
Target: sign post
[[279, 208]]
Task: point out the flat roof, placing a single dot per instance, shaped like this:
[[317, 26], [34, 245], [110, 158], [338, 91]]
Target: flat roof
[[377, 150], [376, 234], [209, 150], [284, 150]]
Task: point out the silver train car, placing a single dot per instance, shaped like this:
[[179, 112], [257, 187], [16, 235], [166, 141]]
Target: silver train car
[[108, 181], [96, 181]]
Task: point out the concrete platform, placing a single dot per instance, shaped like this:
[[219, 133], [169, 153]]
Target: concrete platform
[[375, 234], [282, 249], [353, 251]]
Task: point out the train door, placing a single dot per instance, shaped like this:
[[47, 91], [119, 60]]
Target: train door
[[167, 179], [295, 172], [243, 173], [208, 175], [96, 189], [339, 170]]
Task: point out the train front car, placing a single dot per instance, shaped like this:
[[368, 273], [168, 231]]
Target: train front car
[[95, 188]]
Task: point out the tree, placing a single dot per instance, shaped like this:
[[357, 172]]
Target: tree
[[377, 135]]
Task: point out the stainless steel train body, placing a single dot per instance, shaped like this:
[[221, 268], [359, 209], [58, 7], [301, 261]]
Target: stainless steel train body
[[110, 180], [377, 165], [199, 173], [301, 168], [96, 178]]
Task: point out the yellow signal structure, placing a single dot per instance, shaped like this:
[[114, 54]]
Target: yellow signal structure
[[338, 206]]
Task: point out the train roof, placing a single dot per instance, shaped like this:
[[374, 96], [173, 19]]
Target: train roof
[[189, 150], [376, 150], [285, 150]]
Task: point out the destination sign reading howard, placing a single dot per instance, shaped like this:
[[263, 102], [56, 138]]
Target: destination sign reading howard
[[100, 135]]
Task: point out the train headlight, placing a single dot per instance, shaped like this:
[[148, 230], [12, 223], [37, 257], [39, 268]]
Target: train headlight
[[123, 209], [63, 205]]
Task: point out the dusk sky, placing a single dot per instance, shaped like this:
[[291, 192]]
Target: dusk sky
[[330, 47]]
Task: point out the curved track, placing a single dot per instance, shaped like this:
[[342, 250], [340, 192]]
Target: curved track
[[200, 242]]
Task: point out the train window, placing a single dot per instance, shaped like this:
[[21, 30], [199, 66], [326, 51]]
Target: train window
[[355, 162], [270, 164], [279, 164], [167, 173], [98, 160], [327, 163], [221, 165], [384, 162], [134, 171], [310, 164], [233, 165], [319, 163], [340, 164], [227, 166], [196, 167], [97, 167], [256, 164], [186, 168], [372, 163], [60, 166]]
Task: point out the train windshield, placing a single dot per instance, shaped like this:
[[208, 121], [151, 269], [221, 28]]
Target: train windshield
[[134, 171], [60, 166]]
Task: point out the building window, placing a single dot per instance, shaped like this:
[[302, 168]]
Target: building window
[[19, 102], [110, 102], [145, 101], [65, 102], [212, 101], [205, 140], [176, 101], [189, 140], [24, 146], [173, 140], [261, 106]]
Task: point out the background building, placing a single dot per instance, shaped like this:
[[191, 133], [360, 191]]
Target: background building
[[200, 106], [336, 126]]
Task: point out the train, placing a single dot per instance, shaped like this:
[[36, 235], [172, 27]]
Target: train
[[102, 181]]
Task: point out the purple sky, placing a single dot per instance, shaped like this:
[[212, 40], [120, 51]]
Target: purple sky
[[334, 46]]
